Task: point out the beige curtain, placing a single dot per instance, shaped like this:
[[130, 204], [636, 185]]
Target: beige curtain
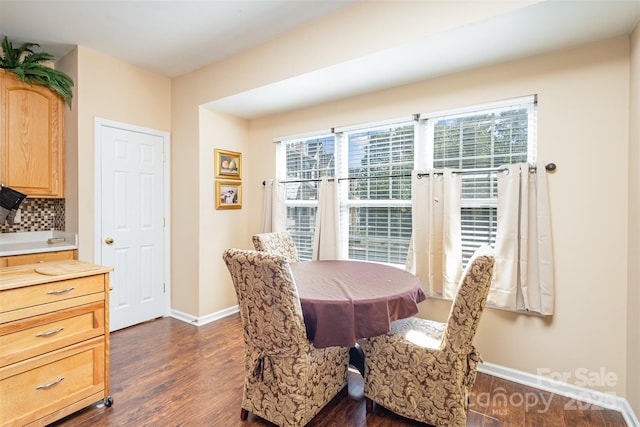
[[326, 241], [523, 274], [274, 216], [435, 253]]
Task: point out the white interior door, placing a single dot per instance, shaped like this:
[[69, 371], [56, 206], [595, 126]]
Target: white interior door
[[132, 221]]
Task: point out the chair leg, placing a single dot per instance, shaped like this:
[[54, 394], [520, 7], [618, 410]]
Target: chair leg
[[243, 414], [356, 358], [368, 405], [344, 392]]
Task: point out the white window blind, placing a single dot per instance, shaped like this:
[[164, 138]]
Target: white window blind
[[306, 161], [378, 199]]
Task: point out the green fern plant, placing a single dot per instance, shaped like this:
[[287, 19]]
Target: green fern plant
[[26, 64]]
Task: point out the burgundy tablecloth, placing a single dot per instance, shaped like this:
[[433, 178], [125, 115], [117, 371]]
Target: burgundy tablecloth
[[343, 301]]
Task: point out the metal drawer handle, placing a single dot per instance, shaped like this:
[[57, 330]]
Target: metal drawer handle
[[46, 334], [51, 384], [61, 291]]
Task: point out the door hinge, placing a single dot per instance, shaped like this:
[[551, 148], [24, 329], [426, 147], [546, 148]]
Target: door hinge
[[164, 157], [164, 222], [164, 288]]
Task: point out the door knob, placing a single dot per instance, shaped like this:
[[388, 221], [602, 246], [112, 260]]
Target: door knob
[[108, 240]]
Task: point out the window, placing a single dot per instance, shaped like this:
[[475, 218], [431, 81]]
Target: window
[[306, 160], [373, 165], [479, 142], [378, 200]]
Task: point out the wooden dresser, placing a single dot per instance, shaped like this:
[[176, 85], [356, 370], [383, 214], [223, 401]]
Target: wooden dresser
[[54, 340]]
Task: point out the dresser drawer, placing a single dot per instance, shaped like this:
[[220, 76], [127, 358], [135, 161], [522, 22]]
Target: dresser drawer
[[38, 258], [30, 301], [33, 388], [30, 337]]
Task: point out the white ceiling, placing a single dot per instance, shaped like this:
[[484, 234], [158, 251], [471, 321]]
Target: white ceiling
[[178, 36]]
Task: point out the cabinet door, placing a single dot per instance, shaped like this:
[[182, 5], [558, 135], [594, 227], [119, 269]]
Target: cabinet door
[[32, 138]]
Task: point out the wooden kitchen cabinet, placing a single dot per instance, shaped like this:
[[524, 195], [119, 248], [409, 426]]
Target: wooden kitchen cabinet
[[13, 260], [31, 138], [54, 340]]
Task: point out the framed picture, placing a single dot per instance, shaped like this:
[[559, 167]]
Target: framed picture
[[228, 195], [228, 164]]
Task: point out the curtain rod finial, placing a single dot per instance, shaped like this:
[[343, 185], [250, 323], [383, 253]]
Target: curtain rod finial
[[550, 167]]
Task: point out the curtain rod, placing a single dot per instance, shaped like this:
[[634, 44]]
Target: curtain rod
[[340, 179], [550, 167]]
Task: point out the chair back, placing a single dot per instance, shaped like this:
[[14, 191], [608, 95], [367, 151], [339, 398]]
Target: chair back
[[279, 243], [469, 302], [269, 303]]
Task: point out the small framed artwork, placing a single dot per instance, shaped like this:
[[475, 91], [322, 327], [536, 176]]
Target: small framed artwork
[[228, 164], [228, 195]]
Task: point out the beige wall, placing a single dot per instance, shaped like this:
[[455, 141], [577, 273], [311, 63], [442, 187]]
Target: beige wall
[[325, 42], [633, 305], [583, 102], [69, 65], [185, 206], [225, 228], [201, 284], [109, 89]]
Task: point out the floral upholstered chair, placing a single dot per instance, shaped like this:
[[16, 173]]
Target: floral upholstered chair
[[423, 369], [279, 243], [287, 380]]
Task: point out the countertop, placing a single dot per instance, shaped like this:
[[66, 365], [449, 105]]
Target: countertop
[[35, 242], [46, 272]]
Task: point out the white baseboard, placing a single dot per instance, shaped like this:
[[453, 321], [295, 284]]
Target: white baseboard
[[199, 321], [577, 393]]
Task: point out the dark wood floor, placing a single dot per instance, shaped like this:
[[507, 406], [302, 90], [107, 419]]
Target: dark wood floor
[[169, 373]]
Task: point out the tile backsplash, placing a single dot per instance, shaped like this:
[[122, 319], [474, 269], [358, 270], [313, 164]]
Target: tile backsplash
[[38, 215]]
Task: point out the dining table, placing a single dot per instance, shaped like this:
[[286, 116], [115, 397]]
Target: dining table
[[346, 300]]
